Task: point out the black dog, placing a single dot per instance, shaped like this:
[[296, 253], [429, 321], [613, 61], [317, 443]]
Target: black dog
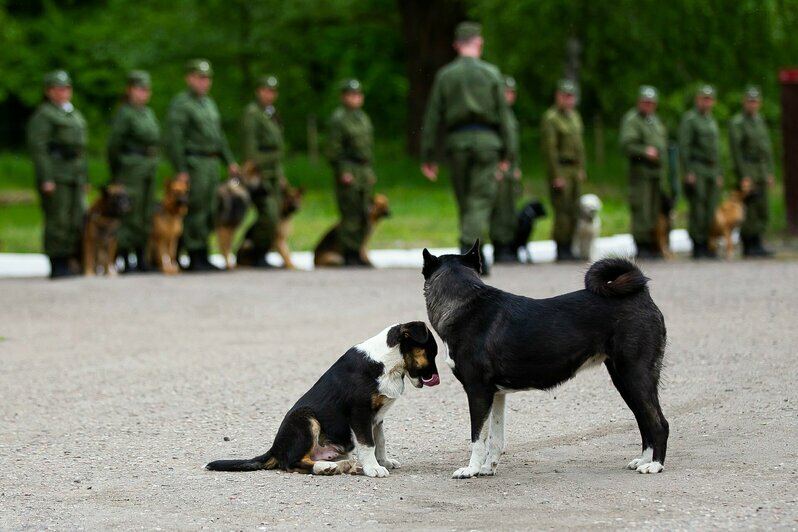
[[344, 410], [526, 224], [500, 342]]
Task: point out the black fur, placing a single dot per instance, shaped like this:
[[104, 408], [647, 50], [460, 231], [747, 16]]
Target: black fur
[[526, 223], [502, 341], [341, 402]]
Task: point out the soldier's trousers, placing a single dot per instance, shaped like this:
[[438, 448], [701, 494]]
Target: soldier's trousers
[[138, 177], [702, 198], [198, 223], [475, 185], [757, 213], [504, 220], [354, 201], [267, 205], [566, 204], [63, 219], [644, 201]]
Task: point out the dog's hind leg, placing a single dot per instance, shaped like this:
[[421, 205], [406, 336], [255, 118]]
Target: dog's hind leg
[[480, 402], [638, 387], [495, 436]]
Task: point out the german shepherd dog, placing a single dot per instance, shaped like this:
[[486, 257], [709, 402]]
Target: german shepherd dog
[[500, 343], [729, 216], [344, 410], [328, 251], [232, 202], [100, 226], [291, 201], [167, 226]]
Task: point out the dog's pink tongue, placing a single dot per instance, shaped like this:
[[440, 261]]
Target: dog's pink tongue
[[432, 381]]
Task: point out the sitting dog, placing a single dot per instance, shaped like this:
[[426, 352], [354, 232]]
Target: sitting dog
[[100, 226], [167, 226], [344, 410], [588, 227], [526, 224], [729, 216], [328, 251], [232, 202], [662, 231], [499, 343]]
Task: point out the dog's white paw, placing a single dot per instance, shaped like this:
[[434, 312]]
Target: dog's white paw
[[643, 459], [487, 470], [325, 468], [375, 471], [651, 467], [389, 463], [466, 472]]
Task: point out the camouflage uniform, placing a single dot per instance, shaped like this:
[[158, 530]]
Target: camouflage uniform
[[57, 137]]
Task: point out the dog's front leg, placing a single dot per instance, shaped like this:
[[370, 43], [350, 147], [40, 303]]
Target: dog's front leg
[[363, 438], [379, 448], [496, 436], [479, 404]]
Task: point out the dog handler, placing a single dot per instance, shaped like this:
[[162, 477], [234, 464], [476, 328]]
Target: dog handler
[[644, 141], [133, 159], [57, 137], [195, 144]]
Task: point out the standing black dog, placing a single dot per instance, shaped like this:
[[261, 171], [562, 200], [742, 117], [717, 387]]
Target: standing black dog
[[344, 410], [500, 343], [526, 224]]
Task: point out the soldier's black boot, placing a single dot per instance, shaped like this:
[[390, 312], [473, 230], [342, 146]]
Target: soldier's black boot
[[352, 259], [504, 254], [59, 267], [564, 253], [260, 258], [752, 247], [142, 263], [748, 246], [198, 261]]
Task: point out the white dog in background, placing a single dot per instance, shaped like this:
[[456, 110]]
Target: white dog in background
[[588, 227]]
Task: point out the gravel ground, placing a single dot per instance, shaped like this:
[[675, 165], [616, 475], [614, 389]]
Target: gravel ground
[[116, 392]]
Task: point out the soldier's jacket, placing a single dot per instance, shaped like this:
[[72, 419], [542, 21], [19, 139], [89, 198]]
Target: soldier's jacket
[[749, 143], [350, 140], [135, 133], [194, 127], [638, 132], [261, 135], [699, 141], [562, 140], [57, 139], [467, 100]]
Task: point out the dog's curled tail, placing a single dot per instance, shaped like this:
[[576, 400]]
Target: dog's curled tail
[[264, 461], [615, 277]]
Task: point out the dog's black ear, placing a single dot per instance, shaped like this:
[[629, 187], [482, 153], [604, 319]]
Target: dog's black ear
[[431, 263], [416, 330], [472, 257]]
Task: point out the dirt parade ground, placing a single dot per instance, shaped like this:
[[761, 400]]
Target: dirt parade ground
[[116, 392]]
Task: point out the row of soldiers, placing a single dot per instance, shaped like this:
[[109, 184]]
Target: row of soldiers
[[196, 146], [468, 103]]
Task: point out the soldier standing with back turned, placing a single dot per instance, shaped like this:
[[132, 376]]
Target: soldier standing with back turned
[[196, 144], [699, 150], [564, 156], [467, 100], [57, 137], [752, 156], [644, 141]]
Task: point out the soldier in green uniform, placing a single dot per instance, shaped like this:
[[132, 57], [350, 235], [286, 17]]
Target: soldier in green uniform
[[752, 156], [57, 137], [467, 101], [564, 156], [133, 159], [350, 150], [262, 138], [195, 144], [699, 151], [644, 141], [504, 220]]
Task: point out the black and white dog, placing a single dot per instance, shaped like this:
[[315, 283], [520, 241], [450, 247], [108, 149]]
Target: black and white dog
[[500, 343], [344, 410]]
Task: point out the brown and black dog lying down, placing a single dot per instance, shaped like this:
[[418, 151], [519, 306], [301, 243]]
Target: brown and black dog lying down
[[729, 216], [100, 227], [328, 251], [167, 226]]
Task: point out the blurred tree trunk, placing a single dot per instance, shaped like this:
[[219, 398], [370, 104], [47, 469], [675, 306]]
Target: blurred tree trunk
[[428, 33]]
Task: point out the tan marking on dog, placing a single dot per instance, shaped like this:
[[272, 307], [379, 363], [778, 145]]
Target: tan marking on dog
[[377, 401], [420, 357]]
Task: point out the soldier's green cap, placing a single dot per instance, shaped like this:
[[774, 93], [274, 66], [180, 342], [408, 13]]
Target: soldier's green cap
[[199, 66], [509, 83], [139, 78], [566, 86], [351, 85], [268, 81], [57, 78], [706, 90], [647, 93], [467, 30], [752, 92]]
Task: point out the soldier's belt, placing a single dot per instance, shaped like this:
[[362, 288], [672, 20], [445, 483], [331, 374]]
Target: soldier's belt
[[473, 127], [196, 153], [146, 151], [65, 153], [645, 161], [567, 162]]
